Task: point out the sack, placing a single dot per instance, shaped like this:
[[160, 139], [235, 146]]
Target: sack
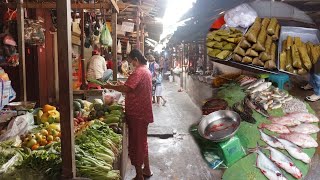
[[105, 37]]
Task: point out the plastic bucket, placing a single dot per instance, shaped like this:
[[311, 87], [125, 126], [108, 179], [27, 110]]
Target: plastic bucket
[[170, 78]]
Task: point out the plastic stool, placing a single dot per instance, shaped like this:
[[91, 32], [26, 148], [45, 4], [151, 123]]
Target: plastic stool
[[280, 79], [93, 86]]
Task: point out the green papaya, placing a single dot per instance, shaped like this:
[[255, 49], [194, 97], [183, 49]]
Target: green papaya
[[80, 101], [76, 106]]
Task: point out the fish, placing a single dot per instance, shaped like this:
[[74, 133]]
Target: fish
[[267, 167], [256, 83], [246, 81], [295, 151], [284, 120], [305, 129], [256, 107], [277, 128], [284, 162], [302, 140], [271, 140], [303, 117], [275, 105], [261, 87]]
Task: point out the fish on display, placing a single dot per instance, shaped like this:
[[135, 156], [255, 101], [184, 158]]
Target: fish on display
[[267, 167], [295, 151], [244, 112], [256, 107], [277, 128], [261, 87], [256, 83], [302, 140], [303, 117], [305, 129], [247, 80], [270, 140], [285, 120], [284, 162]]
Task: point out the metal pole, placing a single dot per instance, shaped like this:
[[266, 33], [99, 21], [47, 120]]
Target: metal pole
[[22, 57], [65, 86]]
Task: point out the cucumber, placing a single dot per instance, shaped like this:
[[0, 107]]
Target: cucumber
[[115, 107], [81, 102], [112, 120]]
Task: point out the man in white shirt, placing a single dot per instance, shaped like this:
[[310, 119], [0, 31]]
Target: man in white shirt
[[97, 68]]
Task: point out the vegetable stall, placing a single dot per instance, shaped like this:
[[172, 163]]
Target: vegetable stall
[[73, 138]]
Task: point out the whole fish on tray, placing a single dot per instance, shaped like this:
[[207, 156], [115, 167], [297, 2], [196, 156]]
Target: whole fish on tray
[[285, 120], [256, 107], [256, 83], [284, 162], [303, 117], [267, 167], [244, 112], [302, 140], [305, 129], [277, 128], [270, 140], [261, 87], [295, 151]]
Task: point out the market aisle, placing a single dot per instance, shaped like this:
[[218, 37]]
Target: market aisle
[[173, 152]]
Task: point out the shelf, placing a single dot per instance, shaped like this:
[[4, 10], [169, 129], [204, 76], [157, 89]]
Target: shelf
[[246, 67]]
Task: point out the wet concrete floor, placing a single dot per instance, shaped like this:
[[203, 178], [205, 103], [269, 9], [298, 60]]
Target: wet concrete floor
[[174, 153]]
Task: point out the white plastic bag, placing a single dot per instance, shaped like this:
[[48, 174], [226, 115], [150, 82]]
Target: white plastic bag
[[110, 96], [20, 125], [242, 15], [128, 47], [119, 50]]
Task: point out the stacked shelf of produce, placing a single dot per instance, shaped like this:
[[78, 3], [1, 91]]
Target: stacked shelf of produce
[[258, 46], [221, 43], [296, 56]]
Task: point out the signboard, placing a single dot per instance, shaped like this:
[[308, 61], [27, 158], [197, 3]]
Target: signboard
[[127, 27]]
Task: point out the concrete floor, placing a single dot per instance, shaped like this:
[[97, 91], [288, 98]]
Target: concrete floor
[[173, 152]]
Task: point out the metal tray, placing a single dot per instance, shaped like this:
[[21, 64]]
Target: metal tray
[[306, 34]]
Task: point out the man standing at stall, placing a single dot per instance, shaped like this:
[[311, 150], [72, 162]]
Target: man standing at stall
[[314, 83], [97, 68]]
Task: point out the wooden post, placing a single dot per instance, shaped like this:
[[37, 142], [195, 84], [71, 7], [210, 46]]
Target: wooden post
[[83, 72], [65, 89], [138, 28], [114, 17], [22, 55], [142, 38]]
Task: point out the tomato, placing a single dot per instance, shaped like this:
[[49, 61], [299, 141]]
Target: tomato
[[31, 143], [35, 147]]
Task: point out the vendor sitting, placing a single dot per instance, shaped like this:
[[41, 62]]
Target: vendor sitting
[[97, 68]]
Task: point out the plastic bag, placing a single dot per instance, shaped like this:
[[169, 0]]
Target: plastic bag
[[20, 125], [242, 15], [128, 47], [110, 96], [105, 37], [119, 50], [5, 167]]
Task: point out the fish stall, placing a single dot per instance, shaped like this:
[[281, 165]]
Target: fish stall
[[257, 131]]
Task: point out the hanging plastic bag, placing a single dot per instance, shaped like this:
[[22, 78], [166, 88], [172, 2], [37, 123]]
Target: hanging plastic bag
[[110, 96], [105, 37], [119, 47], [242, 15], [128, 47]]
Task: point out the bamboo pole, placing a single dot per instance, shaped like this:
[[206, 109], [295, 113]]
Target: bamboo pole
[[65, 89]]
